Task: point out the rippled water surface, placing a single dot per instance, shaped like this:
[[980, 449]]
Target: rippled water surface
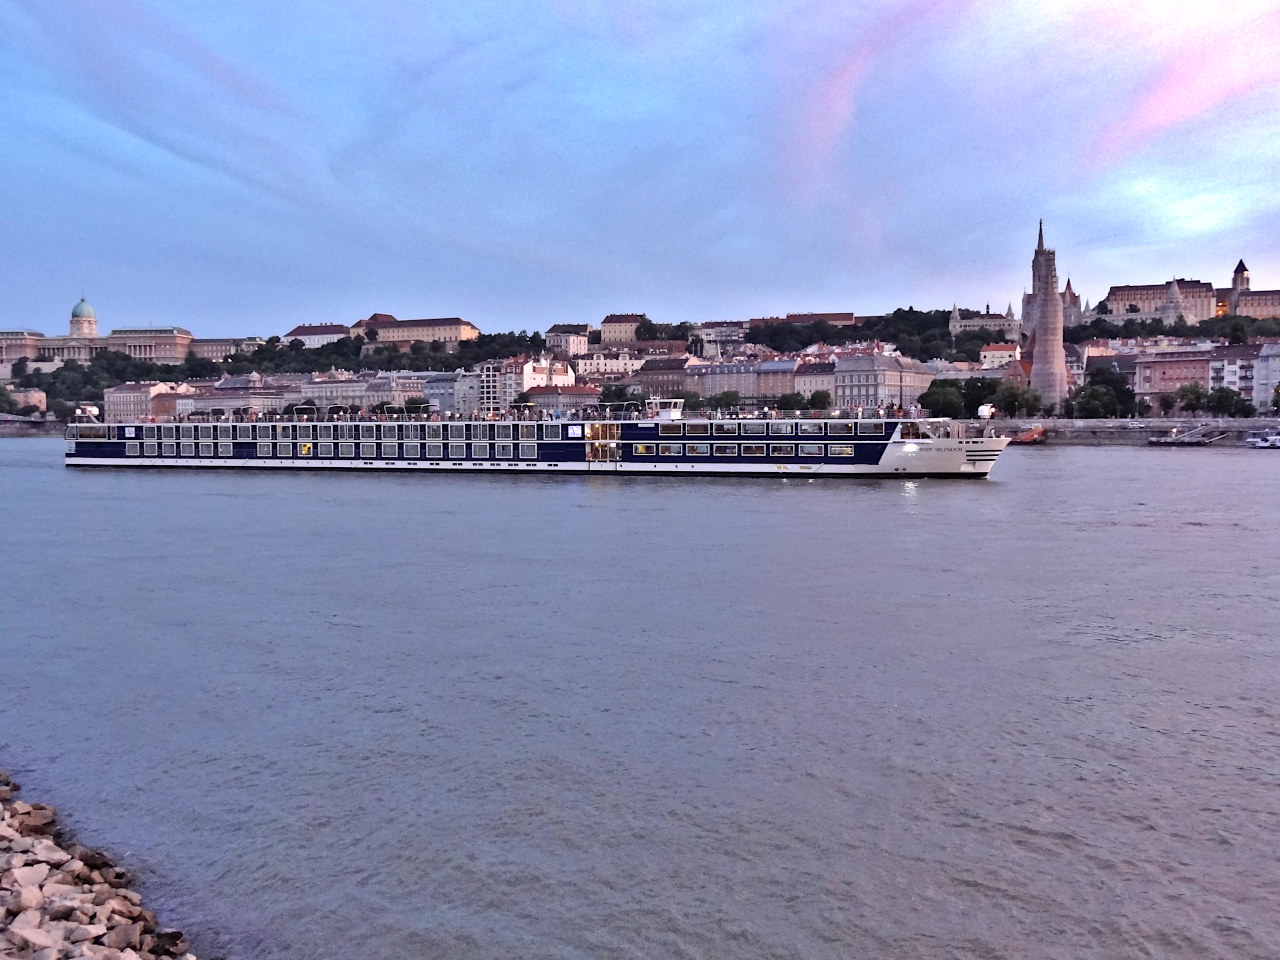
[[516, 717]]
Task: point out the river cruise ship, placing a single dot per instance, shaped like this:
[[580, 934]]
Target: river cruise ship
[[660, 441]]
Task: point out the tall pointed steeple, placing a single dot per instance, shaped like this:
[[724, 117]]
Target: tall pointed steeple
[[1040, 244]]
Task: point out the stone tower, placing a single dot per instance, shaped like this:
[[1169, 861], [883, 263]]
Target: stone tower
[[84, 322], [1239, 284], [1048, 364]]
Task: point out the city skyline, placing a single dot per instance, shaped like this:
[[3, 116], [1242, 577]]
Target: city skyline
[[558, 161]]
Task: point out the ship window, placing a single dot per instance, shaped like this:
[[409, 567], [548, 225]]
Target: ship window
[[697, 429], [283, 432], [390, 450], [148, 433], [368, 450], [726, 449], [225, 449], [169, 449], [413, 431], [810, 449], [206, 449], [457, 431], [131, 449], [807, 428], [480, 451], [224, 431], [304, 449], [149, 449], [304, 431], [166, 432], [502, 450], [346, 431], [389, 432], [435, 431], [528, 431], [346, 449], [754, 428], [753, 449], [670, 429], [206, 431], [724, 428], [698, 449], [551, 431], [840, 450], [413, 450], [782, 449], [457, 451], [782, 426], [840, 429], [264, 449], [528, 451], [187, 432], [368, 431], [670, 450], [264, 431], [324, 431], [435, 451], [643, 449], [870, 427], [479, 431], [909, 431], [575, 431], [503, 431], [244, 431]]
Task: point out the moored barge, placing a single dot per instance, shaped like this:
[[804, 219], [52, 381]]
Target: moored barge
[[663, 441]]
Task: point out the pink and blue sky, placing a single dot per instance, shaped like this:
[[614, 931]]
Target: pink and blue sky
[[240, 167]]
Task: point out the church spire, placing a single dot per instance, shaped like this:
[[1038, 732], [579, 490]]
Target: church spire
[[1040, 245]]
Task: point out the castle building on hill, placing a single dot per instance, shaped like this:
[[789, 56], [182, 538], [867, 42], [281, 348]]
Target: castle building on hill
[[157, 344]]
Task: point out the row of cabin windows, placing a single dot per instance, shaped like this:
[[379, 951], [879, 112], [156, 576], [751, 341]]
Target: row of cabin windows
[[350, 431], [758, 428], [325, 450], [366, 432], [741, 449]]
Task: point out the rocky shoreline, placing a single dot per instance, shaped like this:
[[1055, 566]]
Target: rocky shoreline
[[59, 900]]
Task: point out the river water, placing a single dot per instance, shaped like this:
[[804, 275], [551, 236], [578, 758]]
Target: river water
[[330, 716]]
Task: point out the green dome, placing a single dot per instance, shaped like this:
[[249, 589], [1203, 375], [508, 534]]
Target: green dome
[[82, 311]]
